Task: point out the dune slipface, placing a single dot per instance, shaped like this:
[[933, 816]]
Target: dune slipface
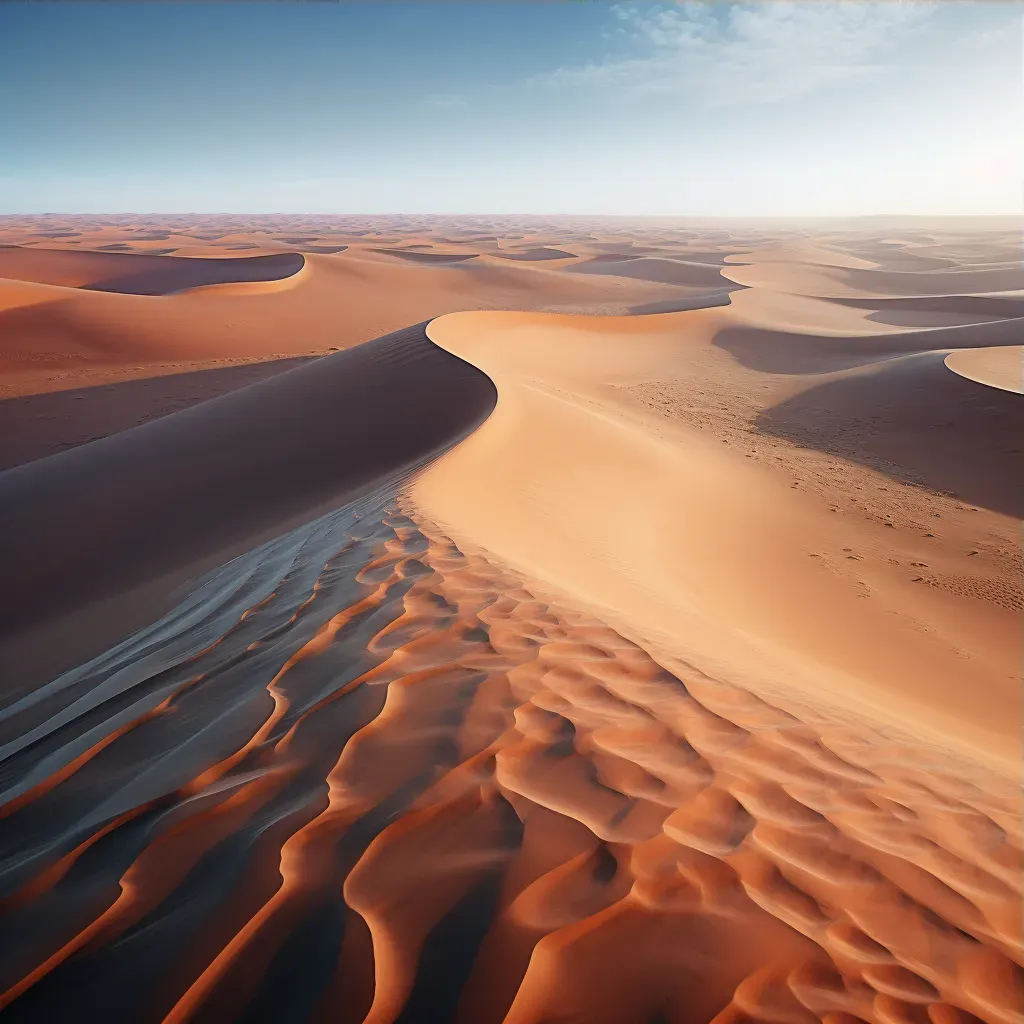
[[185, 489], [610, 669]]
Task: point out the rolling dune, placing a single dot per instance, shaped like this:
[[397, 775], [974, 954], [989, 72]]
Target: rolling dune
[[1001, 367], [181, 490], [541, 253], [142, 274], [841, 282], [540, 498], [659, 269], [522, 666]]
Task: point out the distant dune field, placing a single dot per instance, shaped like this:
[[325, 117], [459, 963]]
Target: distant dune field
[[511, 620]]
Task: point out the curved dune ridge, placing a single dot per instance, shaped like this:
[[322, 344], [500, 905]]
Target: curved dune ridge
[[843, 282], [656, 268], [696, 546], [185, 487], [1000, 367], [138, 274], [429, 258], [540, 253], [516, 669]]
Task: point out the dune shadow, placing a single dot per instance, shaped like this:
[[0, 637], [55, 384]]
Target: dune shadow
[[323, 250], [683, 303], [160, 275], [104, 517], [916, 421], [658, 269], [533, 255], [35, 426], [438, 258], [790, 352]]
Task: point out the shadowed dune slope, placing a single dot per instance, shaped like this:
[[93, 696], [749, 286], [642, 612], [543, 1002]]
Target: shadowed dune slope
[[654, 268], [142, 274], [541, 253], [800, 352], [427, 258], [125, 508], [949, 433], [843, 282], [36, 426]]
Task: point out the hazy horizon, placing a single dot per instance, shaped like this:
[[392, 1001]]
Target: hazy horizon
[[767, 110]]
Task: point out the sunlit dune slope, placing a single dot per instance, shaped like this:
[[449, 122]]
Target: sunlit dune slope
[[690, 543], [332, 302], [1001, 367]]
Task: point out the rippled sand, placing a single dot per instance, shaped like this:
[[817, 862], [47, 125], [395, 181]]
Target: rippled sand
[[363, 773]]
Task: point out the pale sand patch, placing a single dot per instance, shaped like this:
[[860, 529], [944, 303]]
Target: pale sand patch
[[1001, 367]]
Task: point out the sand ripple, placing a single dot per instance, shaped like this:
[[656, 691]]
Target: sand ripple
[[364, 774]]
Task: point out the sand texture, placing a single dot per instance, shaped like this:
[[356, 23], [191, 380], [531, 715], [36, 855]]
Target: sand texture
[[636, 638]]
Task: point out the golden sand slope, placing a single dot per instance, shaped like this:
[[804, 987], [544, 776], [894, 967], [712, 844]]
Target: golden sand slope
[[93, 329], [692, 544], [998, 367]]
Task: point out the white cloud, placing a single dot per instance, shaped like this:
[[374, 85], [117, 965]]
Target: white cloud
[[748, 53]]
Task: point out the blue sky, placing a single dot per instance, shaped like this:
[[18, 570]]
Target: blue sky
[[718, 109]]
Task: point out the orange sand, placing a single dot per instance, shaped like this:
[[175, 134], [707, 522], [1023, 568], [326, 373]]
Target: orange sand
[[622, 669]]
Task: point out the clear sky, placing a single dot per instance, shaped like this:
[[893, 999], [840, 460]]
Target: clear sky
[[715, 109]]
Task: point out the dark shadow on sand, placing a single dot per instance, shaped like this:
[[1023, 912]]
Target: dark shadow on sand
[[916, 421], [35, 426]]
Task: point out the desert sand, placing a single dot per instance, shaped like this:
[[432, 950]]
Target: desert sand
[[511, 620]]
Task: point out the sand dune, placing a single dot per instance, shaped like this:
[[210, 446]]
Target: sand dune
[[37, 425], [1001, 367], [802, 254], [53, 331], [428, 258], [519, 666], [180, 489], [652, 268], [541, 253], [839, 282], [655, 554], [143, 275], [800, 352], [939, 310]]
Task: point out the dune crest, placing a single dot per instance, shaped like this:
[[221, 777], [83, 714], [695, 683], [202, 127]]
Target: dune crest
[[139, 274], [693, 546]]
